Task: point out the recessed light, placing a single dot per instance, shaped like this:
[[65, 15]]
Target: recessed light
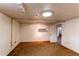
[[47, 14]]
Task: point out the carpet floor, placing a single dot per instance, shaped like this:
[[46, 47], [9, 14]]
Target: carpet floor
[[41, 49]]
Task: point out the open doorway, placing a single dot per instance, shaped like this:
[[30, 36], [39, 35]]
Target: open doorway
[[59, 33]]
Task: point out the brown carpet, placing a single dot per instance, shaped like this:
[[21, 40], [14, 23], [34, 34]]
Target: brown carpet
[[41, 49]]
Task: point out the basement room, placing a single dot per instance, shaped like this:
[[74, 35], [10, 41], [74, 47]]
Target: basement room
[[39, 29]]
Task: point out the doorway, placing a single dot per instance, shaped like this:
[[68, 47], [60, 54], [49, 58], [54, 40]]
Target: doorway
[[59, 33]]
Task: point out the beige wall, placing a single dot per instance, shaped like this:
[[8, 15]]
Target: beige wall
[[5, 34], [70, 38], [15, 33], [29, 33]]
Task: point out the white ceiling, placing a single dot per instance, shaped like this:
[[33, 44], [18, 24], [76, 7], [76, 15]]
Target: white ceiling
[[62, 11]]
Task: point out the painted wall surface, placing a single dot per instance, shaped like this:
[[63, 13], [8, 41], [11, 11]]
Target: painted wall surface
[[5, 34], [29, 33], [15, 33], [70, 38]]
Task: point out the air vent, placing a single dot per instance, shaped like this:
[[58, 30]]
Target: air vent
[[20, 5]]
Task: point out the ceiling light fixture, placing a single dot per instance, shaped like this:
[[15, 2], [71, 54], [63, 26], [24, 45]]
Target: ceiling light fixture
[[47, 14]]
